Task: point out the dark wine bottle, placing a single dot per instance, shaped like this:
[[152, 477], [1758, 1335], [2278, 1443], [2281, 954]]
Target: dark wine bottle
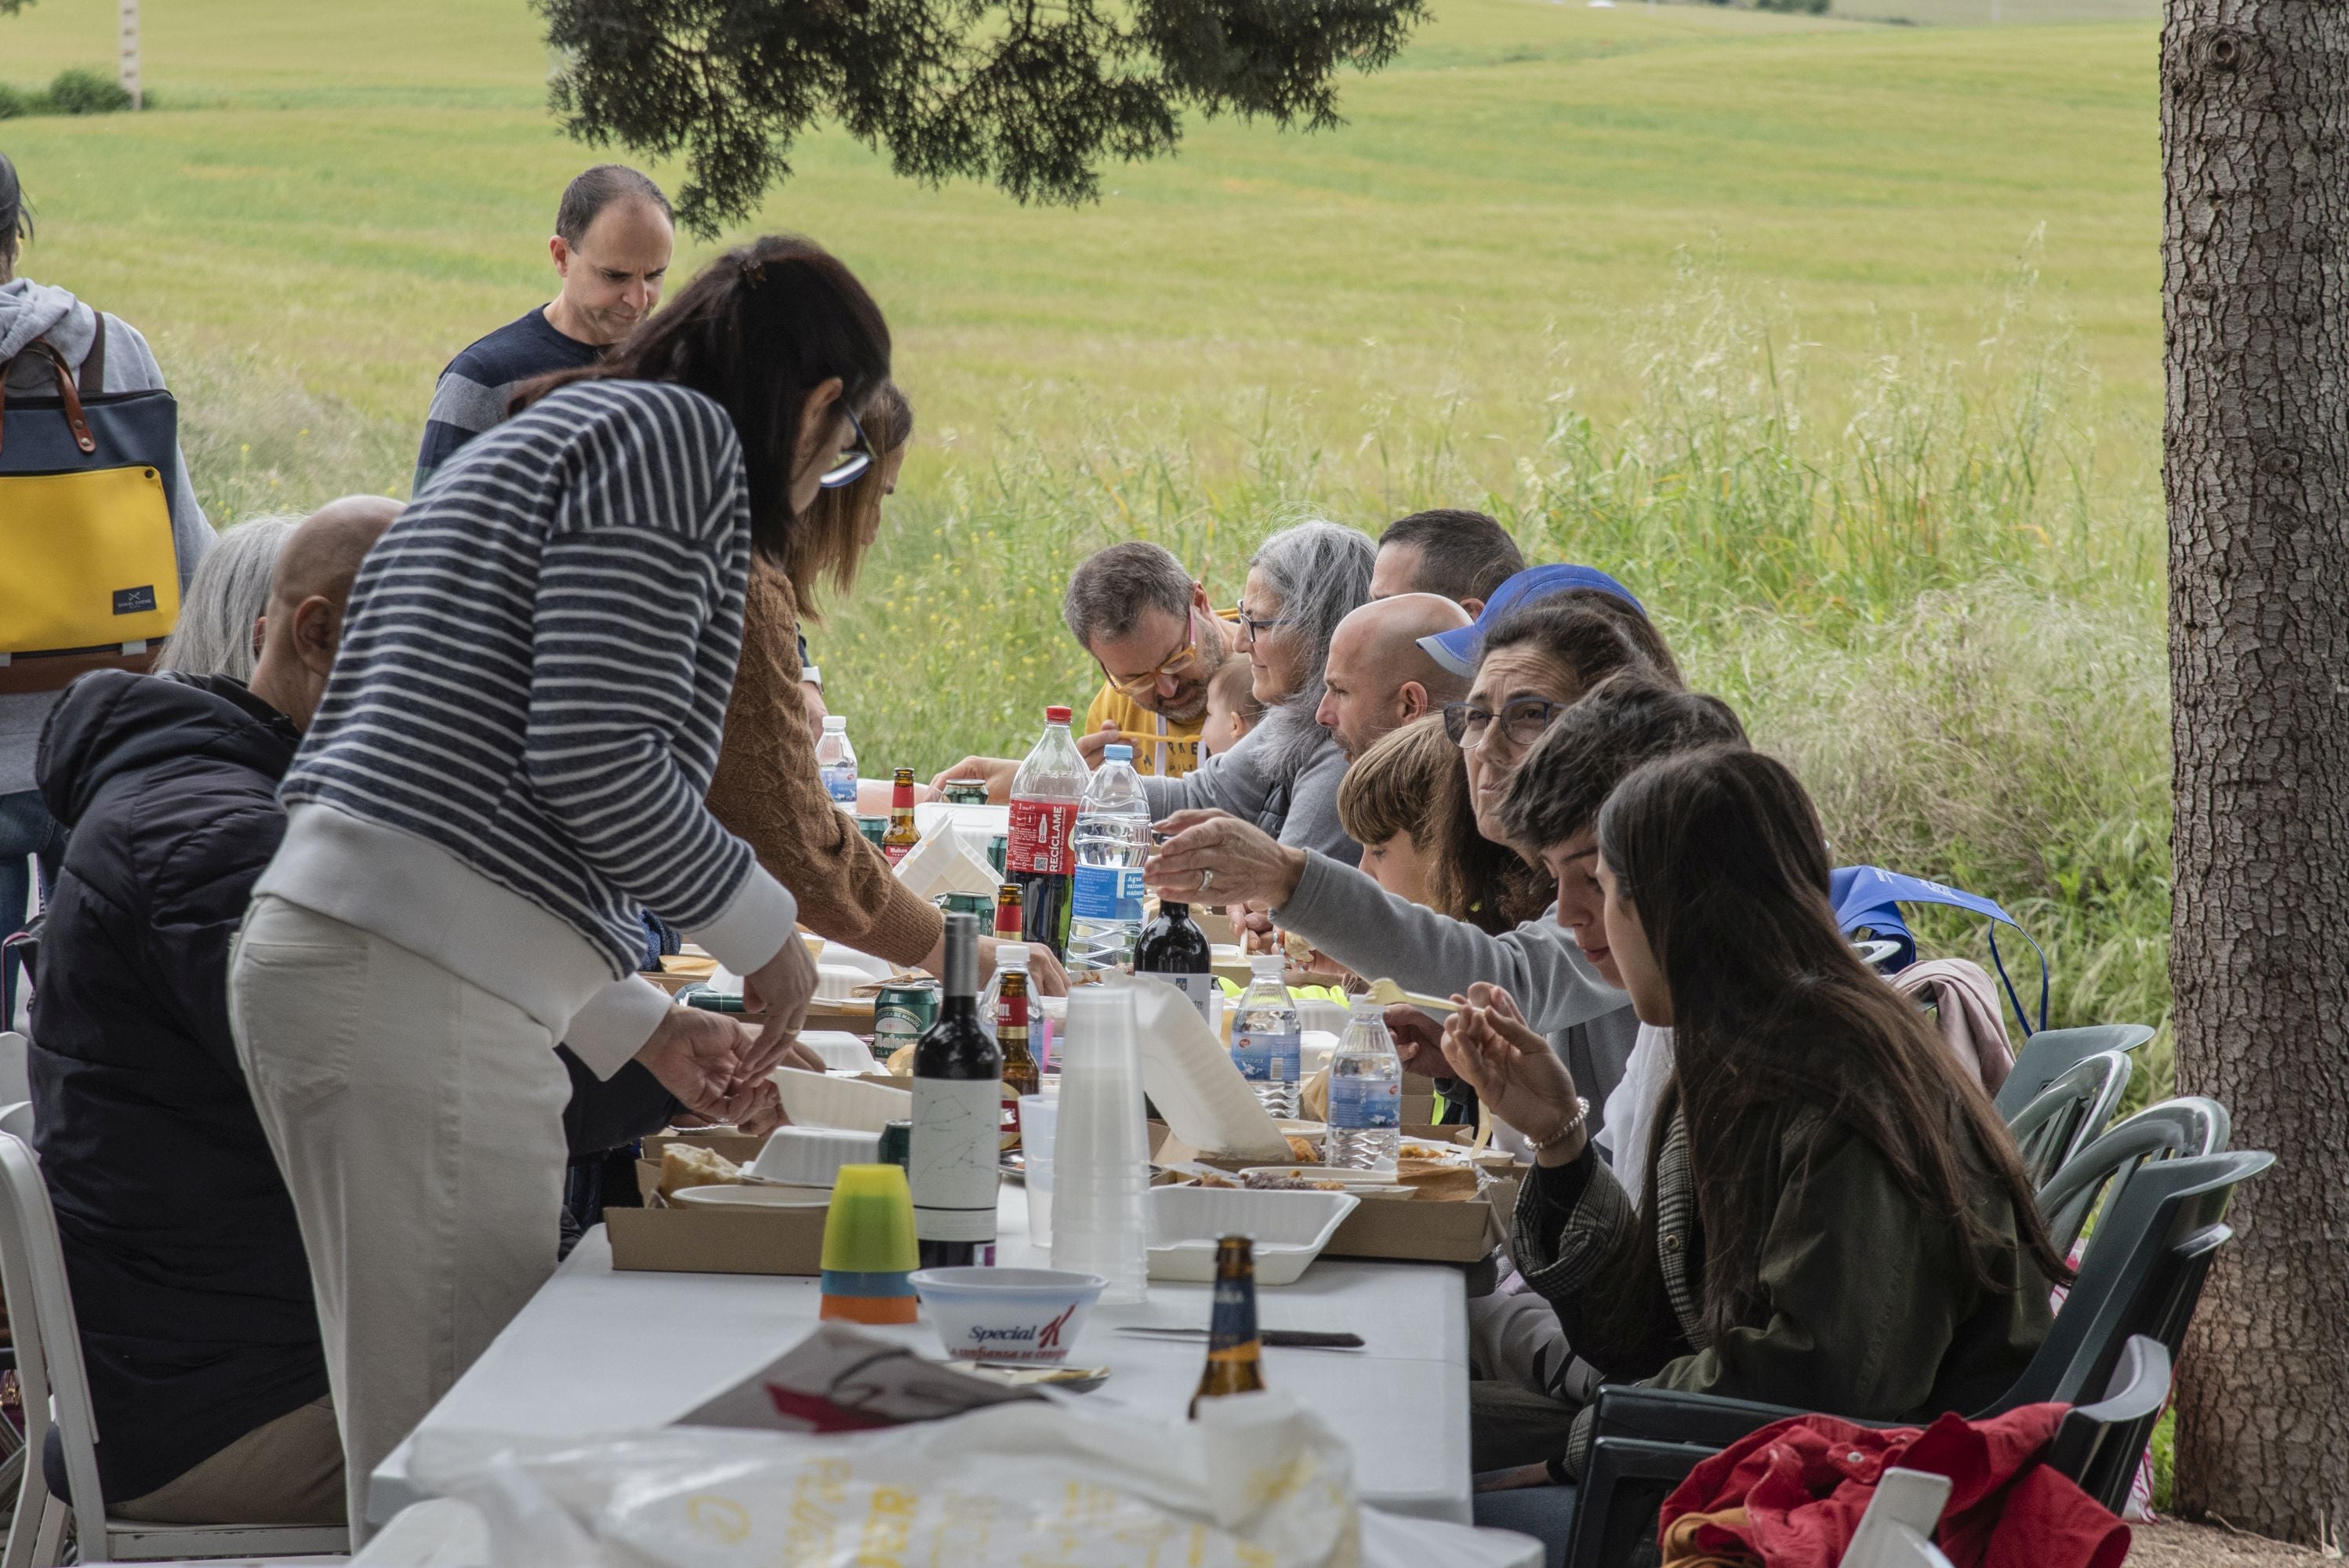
[[957, 1117], [1174, 949]]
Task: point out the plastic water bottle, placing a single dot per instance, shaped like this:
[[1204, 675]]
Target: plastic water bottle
[[1112, 838], [1365, 1093], [1267, 1041], [835, 760]]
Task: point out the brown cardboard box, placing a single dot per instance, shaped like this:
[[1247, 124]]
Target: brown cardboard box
[[715, 1241]]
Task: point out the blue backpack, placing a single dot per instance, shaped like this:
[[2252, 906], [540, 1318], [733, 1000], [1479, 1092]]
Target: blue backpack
[[1869, 898]]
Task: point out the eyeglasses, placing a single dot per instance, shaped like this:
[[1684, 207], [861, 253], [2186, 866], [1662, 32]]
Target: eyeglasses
[[1251, 628], [853, 462], [1171, 668], [1522, 721]]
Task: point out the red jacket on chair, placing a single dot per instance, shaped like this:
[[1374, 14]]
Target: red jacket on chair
[[1791, 1494]]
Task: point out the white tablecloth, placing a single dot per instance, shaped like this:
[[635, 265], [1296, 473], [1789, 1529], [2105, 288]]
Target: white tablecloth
[[602, 1351]]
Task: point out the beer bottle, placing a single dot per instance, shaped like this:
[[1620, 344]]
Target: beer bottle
[[957, 1117], [1174, 949], [1020, 1073], [1235, 1355], [902, 835], [1007, 913]]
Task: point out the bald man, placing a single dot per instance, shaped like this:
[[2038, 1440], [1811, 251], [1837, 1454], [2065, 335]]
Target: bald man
[[188, 1274], [1379, 678]]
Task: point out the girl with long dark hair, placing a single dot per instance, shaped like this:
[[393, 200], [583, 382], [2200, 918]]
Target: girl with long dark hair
[[1835, 1217], [507, 769]]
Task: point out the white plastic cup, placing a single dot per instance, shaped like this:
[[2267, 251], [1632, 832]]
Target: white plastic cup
[[1037, 1116], [1101, 1148]]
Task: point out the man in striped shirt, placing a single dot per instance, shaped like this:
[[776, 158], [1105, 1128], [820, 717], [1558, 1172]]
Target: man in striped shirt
[[613, 234]]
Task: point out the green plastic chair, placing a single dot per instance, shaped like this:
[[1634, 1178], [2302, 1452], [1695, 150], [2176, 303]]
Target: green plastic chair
[[2069, 1114], [2050, 1053], [2181, 1128]]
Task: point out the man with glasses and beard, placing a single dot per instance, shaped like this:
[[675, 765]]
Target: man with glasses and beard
[[1150, 627]]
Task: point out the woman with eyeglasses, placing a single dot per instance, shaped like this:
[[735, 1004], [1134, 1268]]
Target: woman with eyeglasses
[[1283, 775], [1538, 660], [508, 768]]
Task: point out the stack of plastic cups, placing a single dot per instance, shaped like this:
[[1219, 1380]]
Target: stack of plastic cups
[[869, 1249], [1101, 1147], [1038, 1120]]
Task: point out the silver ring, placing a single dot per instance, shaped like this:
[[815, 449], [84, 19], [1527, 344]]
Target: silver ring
[[1205, 877]]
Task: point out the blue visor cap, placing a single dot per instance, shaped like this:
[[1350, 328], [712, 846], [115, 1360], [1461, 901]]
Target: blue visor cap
[[1459, 650]]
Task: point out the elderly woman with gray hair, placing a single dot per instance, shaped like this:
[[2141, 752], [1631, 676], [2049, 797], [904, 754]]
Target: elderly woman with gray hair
[[1283, 776], [219, 633]]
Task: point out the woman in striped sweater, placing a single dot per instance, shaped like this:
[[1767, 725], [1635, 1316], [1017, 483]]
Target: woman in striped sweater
[[508, 763]]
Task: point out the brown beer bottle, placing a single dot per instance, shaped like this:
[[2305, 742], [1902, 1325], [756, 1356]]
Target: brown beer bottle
[[1019, 1074], [902, 835], [1235, 1355], [1008, 913]]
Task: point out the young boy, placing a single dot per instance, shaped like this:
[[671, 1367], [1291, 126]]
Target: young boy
[[1384, 804], [1232, 708]]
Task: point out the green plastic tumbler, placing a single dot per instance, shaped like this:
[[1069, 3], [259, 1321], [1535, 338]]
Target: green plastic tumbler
[[869, 1250]]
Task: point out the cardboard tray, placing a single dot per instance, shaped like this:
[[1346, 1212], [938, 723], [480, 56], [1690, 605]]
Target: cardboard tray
[[1392, 1229], [715, 1241]]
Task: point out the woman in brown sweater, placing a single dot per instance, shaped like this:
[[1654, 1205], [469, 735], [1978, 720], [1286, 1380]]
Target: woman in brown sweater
[[767, 788]]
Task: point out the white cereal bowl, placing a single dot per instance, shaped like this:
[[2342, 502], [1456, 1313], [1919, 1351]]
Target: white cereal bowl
[[1031, 1315]]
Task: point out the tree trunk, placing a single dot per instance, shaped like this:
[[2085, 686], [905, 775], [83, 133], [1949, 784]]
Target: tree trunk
[[2254, 105]]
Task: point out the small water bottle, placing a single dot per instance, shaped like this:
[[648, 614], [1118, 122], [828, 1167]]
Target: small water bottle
[[1112, 838], [1365, 1093], [1267, 1041], [835, 760]]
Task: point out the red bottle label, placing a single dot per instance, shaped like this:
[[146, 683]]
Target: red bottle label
[[1043, 839]]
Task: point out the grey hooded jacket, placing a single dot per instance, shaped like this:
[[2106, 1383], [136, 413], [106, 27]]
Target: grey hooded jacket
[[1590, 1023], [31, 311]]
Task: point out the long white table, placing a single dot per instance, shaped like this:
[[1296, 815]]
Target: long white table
[[600, 1351]]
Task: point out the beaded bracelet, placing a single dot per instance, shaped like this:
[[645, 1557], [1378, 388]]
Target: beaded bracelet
[[1572, 1125]]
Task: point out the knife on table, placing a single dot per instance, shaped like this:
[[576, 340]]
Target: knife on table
[[1273, 1338]]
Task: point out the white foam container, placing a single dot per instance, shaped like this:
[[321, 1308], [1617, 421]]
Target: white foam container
[[839, 971], [1290, 1230], [812, 1156], [841, 1051]]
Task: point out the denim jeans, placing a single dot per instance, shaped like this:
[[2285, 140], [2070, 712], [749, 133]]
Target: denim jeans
[[26, 831]]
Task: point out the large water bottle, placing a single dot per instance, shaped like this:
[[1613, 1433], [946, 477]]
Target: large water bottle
[[836, 761], [1365, 1093], [1112, 836], [1267, 1041]]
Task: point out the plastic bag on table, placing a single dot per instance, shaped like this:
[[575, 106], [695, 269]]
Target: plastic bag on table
[[1257, 1482]]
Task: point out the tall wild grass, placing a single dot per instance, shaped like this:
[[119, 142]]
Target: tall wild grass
[[1930, 586]]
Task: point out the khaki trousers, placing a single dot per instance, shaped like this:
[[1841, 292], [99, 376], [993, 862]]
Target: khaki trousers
[[286, 1472], [418, 1122]]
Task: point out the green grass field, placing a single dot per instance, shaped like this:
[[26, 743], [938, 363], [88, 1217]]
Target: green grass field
[[1839, 340], [358, 190]]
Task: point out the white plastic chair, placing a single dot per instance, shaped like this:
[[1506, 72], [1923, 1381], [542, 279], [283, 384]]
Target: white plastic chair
[[16, 1085], [57, 1392], [16, 1121], [1897, 1530]]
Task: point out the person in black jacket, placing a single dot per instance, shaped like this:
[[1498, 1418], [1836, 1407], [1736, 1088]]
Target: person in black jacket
[[186, 1262]]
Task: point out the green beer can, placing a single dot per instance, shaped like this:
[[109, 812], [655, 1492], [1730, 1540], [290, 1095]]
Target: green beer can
[[874, 829], [903, 1014]]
